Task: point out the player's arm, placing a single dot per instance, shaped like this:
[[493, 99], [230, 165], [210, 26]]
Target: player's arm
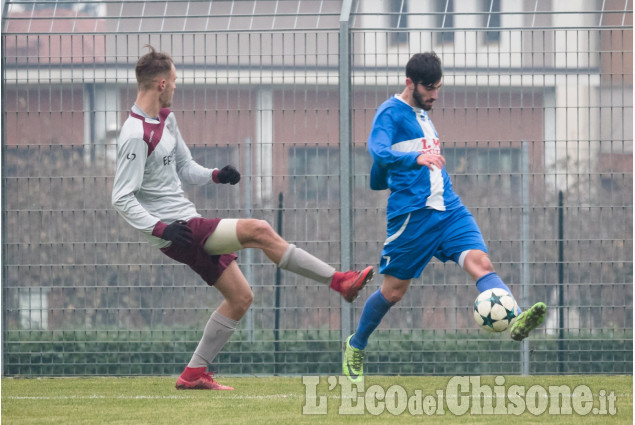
[[380, 143], [431, 160], [193, 173], [131, 159], [378, 177]]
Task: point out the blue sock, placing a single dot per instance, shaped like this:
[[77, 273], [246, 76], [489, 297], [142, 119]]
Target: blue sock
[[492, 280], [375, 309]]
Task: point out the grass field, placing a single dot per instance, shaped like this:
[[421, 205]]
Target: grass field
[[281, 400]]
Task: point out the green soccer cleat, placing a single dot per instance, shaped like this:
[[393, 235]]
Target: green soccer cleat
[[353, 365], [528, 321]]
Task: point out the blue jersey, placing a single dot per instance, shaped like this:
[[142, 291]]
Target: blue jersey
[[399, 135]]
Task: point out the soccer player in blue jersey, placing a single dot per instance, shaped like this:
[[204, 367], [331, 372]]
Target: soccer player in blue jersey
[[152, 161], [425, 217]]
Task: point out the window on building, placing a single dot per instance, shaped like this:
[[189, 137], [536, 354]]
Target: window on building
[[485, 168], [493, 21], [445, 21], [34, 308], [314, 173], [398, 19]]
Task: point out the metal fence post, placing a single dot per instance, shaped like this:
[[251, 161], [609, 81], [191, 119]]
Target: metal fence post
[[346, 228], [524, 261]]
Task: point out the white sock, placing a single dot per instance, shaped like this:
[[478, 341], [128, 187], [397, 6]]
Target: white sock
[[299, 261], [217, 332]]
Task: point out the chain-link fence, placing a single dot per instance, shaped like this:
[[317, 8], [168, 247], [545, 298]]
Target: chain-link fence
[[536, 123]]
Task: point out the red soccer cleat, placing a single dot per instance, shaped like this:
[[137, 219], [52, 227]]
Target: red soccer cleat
[[350, 283], [198, 379]]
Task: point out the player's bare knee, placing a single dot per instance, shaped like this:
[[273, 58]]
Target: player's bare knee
[[393, 295], [241, 302], [478, 263], [261, 232], [486, 264], [248, 299]]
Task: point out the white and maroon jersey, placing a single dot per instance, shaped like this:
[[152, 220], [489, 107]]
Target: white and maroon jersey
[[152, 160]]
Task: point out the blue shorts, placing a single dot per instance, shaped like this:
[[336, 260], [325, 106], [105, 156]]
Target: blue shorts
[[416, 237]]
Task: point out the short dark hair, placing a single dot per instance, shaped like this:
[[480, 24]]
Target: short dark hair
[[424, 68], [150, 65]]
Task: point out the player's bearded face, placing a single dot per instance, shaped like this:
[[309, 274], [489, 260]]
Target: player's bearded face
[[420, 102], [425, 96]]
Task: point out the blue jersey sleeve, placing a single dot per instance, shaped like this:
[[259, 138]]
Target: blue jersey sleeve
[[378, 177], [382, 136]]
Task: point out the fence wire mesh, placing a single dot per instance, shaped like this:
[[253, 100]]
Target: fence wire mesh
[[536, 122]]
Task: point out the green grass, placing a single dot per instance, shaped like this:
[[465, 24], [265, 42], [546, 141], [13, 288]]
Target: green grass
[[275, 400]]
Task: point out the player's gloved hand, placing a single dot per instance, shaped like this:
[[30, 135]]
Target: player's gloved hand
[[227, 174], [178, 233]]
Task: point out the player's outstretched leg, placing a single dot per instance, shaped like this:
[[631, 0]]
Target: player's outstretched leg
[[528, 321], [353, 364]]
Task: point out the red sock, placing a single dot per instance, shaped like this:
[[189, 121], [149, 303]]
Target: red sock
[[191, 373], [336, 282]]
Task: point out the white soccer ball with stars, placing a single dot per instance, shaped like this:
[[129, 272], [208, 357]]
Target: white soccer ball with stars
[[495, 310]]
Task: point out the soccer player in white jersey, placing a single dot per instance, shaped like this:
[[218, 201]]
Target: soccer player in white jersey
[[152, 160], [425, 216]]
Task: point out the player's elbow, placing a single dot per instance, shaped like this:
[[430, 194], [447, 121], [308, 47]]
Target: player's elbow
[[116, 202], [381, 159], [120, 202], [378, 177]]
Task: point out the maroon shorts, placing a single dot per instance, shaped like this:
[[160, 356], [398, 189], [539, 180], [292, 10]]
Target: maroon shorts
[[209, 267]]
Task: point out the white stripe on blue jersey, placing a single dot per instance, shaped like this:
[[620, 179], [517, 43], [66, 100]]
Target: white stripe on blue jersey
[[399, 135]]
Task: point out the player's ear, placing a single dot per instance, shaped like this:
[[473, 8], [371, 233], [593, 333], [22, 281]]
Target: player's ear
[[410, 84]]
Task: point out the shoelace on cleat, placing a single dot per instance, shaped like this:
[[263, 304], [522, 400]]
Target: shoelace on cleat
[[358, 359]]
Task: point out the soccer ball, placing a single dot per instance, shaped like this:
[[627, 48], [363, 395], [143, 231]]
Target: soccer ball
[[495, 310]]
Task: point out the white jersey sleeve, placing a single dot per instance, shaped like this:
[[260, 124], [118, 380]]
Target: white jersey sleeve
[[131, 160]]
